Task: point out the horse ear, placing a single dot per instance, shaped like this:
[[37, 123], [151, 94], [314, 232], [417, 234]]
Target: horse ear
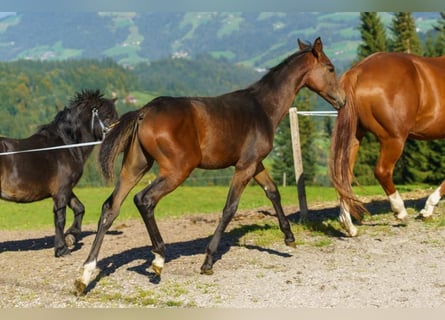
[[317, 48], [302, 45]]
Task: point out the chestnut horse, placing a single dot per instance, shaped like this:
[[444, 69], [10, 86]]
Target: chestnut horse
[[30, 174], [395, 96], [183, 133]]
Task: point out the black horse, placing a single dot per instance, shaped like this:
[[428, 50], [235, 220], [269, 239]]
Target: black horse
[[28, 174]]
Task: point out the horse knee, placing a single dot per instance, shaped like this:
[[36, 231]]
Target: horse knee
[[382, 174]]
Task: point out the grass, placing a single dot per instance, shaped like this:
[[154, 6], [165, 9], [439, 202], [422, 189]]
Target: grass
[[184, 200]]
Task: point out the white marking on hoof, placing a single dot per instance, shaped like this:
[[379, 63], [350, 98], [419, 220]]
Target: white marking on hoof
[[345, 220], [88, 270], [158, 263], [397, 206], [430, 203]]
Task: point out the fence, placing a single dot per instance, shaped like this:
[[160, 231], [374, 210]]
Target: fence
[[296, 150]]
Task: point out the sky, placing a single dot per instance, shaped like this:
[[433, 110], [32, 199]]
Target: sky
[[226, 5]]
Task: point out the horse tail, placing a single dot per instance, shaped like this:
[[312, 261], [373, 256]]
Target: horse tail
[[341, 143], [116, 141]]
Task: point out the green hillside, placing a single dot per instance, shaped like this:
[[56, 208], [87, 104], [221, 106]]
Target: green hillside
[[255, 39]]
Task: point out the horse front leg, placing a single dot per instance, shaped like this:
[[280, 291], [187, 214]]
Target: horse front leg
[[59, 211], [390, 152], [72, 235], [239, 182]]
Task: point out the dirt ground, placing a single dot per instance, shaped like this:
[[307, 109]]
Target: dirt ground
[[388, 265]]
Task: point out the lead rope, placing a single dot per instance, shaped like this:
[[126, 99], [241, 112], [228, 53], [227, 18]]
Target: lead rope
[[94, 114]]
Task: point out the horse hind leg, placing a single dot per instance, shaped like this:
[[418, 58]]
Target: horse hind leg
[[146, 201], [133, 169], [345, 220], [272, 193]]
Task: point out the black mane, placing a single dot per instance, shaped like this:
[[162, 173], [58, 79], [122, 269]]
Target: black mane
[[283, 65], [68, 116]]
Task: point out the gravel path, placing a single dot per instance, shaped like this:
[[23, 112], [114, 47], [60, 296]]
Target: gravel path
[[388, 265]]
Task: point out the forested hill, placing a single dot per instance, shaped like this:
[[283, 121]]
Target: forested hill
[[253, 39], [33, 91]]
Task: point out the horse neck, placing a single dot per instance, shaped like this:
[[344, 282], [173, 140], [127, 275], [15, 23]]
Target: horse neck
[[82, 133], [277, 90]]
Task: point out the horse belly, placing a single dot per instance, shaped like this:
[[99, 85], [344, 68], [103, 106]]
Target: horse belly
[[19, 186], [22, 195]]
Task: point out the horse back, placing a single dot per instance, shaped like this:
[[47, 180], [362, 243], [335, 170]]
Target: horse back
[[401, 93], [216, 130]]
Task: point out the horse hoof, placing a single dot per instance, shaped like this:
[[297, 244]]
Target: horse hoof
[[206, 271], [424, 218], [70, 240], [156, 269], [79, 287], [60, 252], [291, 244], [351, 233]]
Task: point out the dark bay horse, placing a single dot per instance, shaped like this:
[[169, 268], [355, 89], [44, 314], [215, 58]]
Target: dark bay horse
[[395, 96], [36, 175], [181, 134]]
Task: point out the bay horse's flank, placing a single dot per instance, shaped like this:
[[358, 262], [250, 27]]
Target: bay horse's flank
[[395, 96], [184, 133], [33, 176]]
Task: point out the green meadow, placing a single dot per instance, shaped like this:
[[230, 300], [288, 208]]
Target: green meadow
[[184, 200]]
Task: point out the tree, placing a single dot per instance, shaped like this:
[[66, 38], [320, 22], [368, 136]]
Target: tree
[[440, 40], [374, 39], [405, 38], [372, 33]]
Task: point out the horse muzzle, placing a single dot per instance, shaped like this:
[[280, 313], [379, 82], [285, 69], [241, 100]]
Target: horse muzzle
[[338, 101]]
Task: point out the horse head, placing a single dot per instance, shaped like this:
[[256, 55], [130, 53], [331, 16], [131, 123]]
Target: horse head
[[98, 113], [103, 117], [322, 77]]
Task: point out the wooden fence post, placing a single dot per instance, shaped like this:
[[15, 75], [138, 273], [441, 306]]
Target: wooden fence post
[[298, 163]]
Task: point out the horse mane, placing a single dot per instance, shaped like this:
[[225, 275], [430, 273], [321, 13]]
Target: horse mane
[[86, 96], [79, 99], [283, 65], [65, 123]]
